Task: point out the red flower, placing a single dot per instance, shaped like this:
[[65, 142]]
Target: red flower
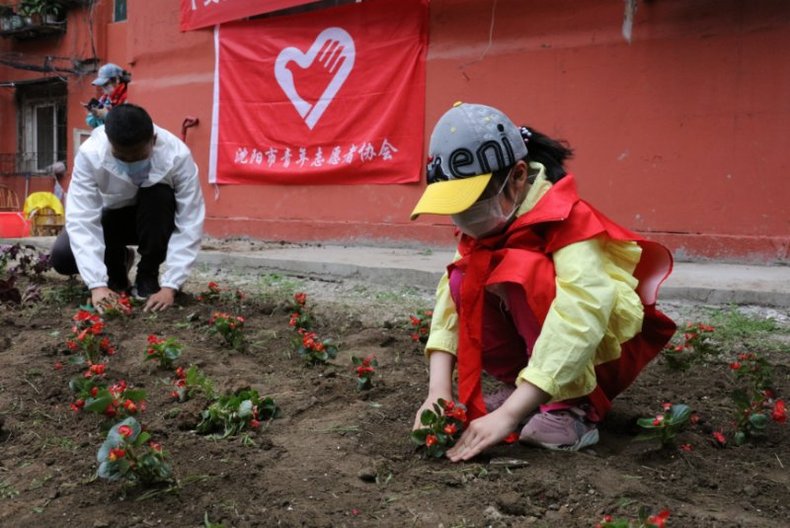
[[180, 373], [415, 321], [719, 437], [660, 519], [213, 286], [512, 438], [300, 298], [294, 319], [98, 368], [72, 345], [415, 337], [431, 440], [82, 315], [255, 424], [115, 454], [130, 406], [58, 365], [779, 415], [125, 431], [666, 406], [94, 391], [451, 429], [694, 418], [658, 419], [688, 448], [174, 395], [735, 365], [153, 340], [156, 446]]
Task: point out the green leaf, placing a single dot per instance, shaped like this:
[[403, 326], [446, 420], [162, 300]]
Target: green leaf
[[245, 409], [740, 438], [100, 403], [428, 417], [136, 395], [418, 436], [143, 438], [680, 413], [758, 420]]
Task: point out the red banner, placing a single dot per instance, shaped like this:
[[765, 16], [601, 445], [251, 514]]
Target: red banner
[[196, 14], [329, 97]]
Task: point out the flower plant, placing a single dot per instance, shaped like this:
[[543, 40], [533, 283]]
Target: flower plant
[[231, 328], [233, 413], [163, 350], [665, 426], [312, 349], [215, 294], [129, 454], [191, 382], [120, 307], [365, 369], [301, 318], [88, 338], [442, 427], [421, 325], [646, 520], [755, 400], [211, 295], [697, 344], [115, 401]]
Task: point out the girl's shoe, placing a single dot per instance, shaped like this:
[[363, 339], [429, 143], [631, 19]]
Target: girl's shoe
[[564, 430], [495, 400]]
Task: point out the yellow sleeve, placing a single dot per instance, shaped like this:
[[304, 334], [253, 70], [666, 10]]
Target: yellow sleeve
[[562, 362], [444, 323]]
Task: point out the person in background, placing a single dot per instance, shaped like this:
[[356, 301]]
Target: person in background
[[113, 81], [546, 294], [58, 171], [133, 183]]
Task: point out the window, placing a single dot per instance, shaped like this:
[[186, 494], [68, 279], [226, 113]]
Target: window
[[42, 126], [120, 11]]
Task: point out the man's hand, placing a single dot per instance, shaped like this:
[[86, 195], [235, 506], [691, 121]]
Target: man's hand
[[162, 299], [101, 297]]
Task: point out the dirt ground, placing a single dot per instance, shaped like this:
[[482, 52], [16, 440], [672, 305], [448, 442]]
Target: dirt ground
[[340, 457]]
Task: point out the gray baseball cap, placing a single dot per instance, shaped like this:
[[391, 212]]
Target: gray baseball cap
[[468, 144], [107, 72]]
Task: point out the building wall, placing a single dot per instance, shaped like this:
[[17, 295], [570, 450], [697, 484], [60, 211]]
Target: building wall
[[680, 134]]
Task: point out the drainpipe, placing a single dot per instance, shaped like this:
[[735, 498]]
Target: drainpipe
[[189, 122]]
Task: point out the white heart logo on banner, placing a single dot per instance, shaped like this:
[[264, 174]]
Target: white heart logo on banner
[[334, 49]]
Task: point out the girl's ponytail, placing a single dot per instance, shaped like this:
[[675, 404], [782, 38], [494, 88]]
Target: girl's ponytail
[[550, 152]]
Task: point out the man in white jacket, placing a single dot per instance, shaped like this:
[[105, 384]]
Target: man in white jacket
[[133, 183]]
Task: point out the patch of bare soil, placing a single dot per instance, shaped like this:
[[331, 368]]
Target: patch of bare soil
[[340, 457]]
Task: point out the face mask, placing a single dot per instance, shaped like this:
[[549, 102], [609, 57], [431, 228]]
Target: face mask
[[108, 88], [485, 217], [137, 171]]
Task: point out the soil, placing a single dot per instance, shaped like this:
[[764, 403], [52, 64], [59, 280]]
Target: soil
[[341, 457]]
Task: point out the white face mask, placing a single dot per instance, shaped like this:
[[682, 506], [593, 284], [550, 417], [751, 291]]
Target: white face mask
[[137, 171], [108, 88], [485, 217]]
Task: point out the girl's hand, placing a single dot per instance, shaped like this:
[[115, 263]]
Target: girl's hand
[[428, 404], [482, 433]]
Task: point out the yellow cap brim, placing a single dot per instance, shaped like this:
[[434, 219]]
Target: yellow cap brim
[[451, 196]]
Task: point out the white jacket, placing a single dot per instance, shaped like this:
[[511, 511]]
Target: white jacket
[[96, 184]]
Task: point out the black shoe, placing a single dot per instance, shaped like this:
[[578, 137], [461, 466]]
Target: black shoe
[[121, 284], [144, 287]]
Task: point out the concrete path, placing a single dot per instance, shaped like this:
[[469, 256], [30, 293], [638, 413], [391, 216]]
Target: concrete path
[[705, 282]]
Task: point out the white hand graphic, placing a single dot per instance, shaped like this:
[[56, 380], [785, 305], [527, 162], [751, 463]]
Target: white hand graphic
[[335, 51]]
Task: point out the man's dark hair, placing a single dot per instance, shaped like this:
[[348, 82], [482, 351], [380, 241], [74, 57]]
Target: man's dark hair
[[128, 125]]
